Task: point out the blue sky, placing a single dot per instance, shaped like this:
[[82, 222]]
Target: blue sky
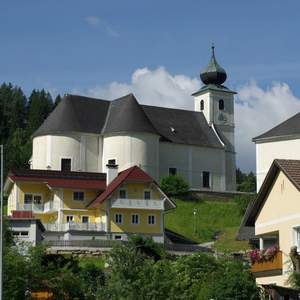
[[52, 44], [97, 47]]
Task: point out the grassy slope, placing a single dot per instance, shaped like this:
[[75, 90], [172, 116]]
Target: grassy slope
[[212, 217]]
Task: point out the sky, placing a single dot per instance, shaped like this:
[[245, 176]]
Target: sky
[[156, 49]]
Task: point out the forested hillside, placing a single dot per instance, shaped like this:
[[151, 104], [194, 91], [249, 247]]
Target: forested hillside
[[20, 116]]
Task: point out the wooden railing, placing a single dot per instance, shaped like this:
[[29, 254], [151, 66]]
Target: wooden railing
[[274, 264]]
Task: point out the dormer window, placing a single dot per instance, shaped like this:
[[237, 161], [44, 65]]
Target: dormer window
[[221, 104], [202, 105]]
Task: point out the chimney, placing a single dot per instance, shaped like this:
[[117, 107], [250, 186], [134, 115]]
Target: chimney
[[111, 171]]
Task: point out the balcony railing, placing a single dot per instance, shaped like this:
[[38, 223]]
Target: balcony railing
[[37, 208], [138, 204], [268, 268], [75, 226]]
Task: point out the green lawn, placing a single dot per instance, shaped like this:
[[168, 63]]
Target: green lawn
[[212, 218]]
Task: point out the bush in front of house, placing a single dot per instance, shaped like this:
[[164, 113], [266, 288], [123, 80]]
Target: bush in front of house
[[174, 185]]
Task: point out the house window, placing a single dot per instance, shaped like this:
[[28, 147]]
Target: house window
[[66, 164], [147, 195], [151, 220], [122, 194], [205, 179], [28, 198], [118, 218], [37, 199], [78, 196], [118, 237], [172, 171], [20, 233], [221, 104], [297, 238], [202, 105], [70, 219], [84, 219], [135, 219]]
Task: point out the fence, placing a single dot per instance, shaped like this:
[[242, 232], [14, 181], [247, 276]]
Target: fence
[[111, 243]]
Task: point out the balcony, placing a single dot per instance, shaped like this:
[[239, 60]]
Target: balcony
[[138, 204], [75, 226], [36, 208], [270, 267]]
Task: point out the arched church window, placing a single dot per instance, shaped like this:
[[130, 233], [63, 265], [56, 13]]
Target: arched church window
[[202, 105], [221, 104]]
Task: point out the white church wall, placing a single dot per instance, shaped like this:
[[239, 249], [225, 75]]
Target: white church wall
[[82, 149], [268, 151], [191, 161], [131, 149]]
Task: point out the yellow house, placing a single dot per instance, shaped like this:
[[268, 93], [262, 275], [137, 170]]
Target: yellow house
[[276, 217], [83, 206]]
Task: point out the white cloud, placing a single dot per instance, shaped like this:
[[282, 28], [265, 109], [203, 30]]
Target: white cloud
[[256, 109], [100, 23], [92, 20]]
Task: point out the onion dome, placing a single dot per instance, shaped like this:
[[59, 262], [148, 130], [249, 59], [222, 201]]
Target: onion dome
[[214, 73]]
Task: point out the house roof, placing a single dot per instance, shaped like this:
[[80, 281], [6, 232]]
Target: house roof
[[291, 168], [88, 115], [289, 127], [132, 174], [60, 179]]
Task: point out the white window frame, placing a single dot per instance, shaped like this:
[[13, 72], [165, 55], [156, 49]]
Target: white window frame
[[296, 241], [150, 191], [71, 216], [154, 220], [33, 195], [126, 194], [138, 219], [85, 217], [122, 217], [65, 157], [79, 192]]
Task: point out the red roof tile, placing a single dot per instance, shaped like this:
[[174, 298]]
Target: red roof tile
[[58, 179], [134, 174]]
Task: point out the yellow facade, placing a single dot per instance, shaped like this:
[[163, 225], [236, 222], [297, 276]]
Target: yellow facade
[[280, 214], [142, 227], [69, 202]]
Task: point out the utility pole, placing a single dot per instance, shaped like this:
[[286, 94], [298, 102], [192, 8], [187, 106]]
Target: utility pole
[[1, 225]]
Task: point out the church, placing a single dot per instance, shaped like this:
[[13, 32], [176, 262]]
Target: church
[[85, 134]]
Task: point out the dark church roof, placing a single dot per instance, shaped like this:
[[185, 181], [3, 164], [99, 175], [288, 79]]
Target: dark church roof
[[290, 127], [89, 115]]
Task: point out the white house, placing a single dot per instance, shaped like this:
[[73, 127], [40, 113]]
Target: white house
[[84, 134], [280, 142]]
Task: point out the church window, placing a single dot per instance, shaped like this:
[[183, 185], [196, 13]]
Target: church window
[[205, 179], [66, 164], [221, 104], [202, 105], [172, 171]]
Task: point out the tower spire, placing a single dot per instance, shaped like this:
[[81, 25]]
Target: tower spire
[[214, 73]]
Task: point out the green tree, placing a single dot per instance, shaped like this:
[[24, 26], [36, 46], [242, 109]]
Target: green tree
[[39, 106], [174, 185]]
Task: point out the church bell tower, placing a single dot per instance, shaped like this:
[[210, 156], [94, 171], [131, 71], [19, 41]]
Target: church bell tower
[[216, 102]]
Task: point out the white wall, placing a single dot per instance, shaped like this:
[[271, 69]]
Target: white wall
[[268, 151], [83, 149], [131, 149], [191, 161]]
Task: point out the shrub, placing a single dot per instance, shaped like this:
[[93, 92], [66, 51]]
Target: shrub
[[174, 185]]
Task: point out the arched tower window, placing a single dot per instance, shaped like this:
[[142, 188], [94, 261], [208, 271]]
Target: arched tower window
[[202, 105], [221, 104]]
